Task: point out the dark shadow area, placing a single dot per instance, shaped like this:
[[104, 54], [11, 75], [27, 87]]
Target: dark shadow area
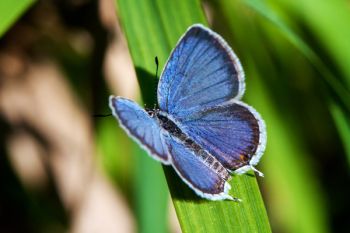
[[148, 84], [178, 189], [23, 210], [329, 157], [89, 74]]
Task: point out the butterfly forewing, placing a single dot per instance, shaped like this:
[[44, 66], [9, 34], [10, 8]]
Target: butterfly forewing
[[201, 72], [141, 126]]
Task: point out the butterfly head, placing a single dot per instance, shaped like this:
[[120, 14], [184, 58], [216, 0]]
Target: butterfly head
[[152, 112]]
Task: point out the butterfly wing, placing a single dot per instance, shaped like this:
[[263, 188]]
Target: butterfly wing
[[196, 174], [234, 133], [140, 126], [200, 87], [201, 72]]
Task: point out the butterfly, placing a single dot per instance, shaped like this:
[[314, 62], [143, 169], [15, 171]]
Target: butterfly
[[201, 127]]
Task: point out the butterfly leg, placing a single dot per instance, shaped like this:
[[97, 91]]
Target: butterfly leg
[[246, 169], [257, 171]]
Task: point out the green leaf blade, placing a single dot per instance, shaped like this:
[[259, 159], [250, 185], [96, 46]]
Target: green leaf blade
[[296, 201], [10, 11], [152, 29]]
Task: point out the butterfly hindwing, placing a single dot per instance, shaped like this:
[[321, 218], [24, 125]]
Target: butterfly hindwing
[[201, 72], [140, 126], [201, 178], [233, 132]]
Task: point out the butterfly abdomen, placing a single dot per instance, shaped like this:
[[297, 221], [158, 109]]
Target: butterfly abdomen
[[208, 159]]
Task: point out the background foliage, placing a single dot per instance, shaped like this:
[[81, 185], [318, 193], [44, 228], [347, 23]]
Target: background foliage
[[295, 55]]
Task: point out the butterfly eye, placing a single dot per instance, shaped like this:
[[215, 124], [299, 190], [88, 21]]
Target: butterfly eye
[[150, 112]]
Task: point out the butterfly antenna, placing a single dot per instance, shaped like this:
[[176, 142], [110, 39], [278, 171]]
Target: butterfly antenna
[[101, 115], [156, 79], [157, 65]]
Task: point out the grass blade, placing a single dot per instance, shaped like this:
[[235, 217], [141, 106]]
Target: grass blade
[[338, 92], [10, 11], [152, 28], [336, 86], [290, 181]]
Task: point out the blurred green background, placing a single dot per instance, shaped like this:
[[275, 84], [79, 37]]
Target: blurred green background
[[63, 170]]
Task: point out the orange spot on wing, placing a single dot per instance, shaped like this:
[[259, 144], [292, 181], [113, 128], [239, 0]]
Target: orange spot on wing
[[242, 157]]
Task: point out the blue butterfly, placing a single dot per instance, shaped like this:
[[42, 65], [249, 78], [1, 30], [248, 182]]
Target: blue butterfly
[[201, 128]]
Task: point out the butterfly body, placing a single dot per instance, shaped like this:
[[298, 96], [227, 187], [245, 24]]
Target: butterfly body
[[174, 131], [202, 128]]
